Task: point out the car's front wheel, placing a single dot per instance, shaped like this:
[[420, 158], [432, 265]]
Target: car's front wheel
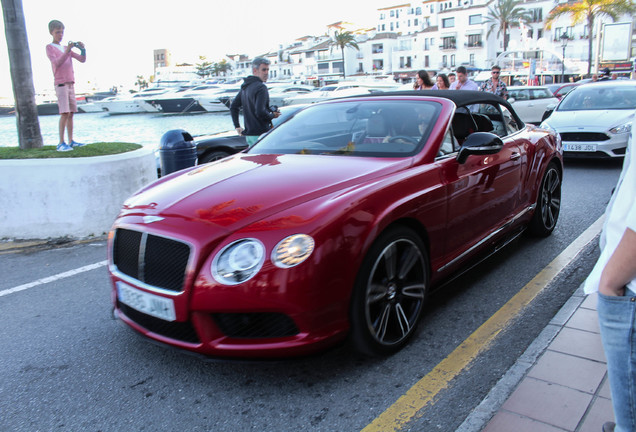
[[548, 205], [389, 294]]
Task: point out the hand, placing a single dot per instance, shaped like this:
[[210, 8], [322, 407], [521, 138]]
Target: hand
[[81, 45], [611, 291], [69, 47], [276, 114], [621, 267], [239, 130]]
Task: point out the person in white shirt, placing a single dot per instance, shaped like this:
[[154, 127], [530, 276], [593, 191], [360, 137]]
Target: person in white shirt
[[463, 83], [614, 277]]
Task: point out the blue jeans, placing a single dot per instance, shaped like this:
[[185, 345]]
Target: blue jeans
[[617, 319]]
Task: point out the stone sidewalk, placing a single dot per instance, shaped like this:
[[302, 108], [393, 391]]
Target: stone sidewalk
[[559, 384]]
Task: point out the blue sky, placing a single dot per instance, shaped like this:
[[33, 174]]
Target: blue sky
[[121, 35]]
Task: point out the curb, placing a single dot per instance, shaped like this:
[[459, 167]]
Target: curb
[[18, 246], [498, 395]]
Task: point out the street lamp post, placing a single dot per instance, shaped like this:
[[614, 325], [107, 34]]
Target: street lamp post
[[564, 43]]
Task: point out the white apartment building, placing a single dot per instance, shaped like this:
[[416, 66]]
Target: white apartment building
[[435, 35]]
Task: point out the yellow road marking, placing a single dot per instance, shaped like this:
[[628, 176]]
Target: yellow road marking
[[425, 390]]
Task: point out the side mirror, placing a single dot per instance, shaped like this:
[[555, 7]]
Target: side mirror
[[548, 111], [479, 143]]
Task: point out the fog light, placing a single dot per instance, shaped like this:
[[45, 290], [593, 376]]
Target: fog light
[[292, 250]]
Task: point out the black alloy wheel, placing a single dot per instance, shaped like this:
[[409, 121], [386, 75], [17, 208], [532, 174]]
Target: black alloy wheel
[[390, 292], [548, 205], [211, 157]]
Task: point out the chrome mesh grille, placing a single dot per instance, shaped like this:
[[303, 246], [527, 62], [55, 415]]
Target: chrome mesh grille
[[154, 260]]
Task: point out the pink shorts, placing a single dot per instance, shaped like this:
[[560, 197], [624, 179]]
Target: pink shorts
[[66, 98]]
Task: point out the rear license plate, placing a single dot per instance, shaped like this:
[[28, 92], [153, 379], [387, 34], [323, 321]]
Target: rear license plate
[[150, 304], [580, 147]]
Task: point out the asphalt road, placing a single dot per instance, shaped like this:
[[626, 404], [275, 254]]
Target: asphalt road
[[67, 365]]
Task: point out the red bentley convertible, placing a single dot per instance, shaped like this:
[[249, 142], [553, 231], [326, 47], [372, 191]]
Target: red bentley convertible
[[337, 223]]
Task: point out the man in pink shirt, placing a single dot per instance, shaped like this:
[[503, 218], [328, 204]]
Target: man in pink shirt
[[64, 78]]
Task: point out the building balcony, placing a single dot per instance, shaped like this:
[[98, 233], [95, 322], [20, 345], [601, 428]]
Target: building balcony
[[558, 39]]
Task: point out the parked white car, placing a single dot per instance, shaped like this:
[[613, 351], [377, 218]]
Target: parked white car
[[530, 102], [595, 120]]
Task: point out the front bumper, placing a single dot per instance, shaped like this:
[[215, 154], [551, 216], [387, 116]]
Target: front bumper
[[594, 144]]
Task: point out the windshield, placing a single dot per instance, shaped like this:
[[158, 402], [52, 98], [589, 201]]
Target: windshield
[[373, 128], [599, 97]]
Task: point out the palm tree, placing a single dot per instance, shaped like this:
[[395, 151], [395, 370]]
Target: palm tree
[[344, 39], [589, 10], [504, 15], [141, 82], [204, 69], [26, 111], [223, 67]]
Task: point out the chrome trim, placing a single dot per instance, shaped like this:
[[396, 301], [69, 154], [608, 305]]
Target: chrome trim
[[139, 284], [141, 258], [114, 270], [488, 237]]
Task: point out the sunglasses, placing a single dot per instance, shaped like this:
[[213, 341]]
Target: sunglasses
[[495, 72]]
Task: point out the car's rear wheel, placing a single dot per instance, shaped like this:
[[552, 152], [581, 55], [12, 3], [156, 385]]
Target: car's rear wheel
[[548, 206], [389, 294], [210, 157]]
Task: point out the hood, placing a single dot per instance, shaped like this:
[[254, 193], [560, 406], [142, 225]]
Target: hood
[[597, 120], [250, 80], [245, 188]]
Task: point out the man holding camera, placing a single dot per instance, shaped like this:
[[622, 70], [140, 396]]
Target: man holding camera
[[254, 99]]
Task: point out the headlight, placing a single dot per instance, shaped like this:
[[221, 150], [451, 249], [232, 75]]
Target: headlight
[[238, 261], [546, 125], [292, 250], [624, 128]]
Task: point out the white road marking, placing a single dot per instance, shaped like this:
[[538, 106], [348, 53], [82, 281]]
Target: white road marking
[[53, 278]]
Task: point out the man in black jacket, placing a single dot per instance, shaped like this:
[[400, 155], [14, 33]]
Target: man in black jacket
[[254, 99]]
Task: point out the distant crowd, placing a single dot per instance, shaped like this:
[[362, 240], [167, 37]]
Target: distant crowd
[[460, 81]]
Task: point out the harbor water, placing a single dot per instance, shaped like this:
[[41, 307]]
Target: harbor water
[[144, 128]]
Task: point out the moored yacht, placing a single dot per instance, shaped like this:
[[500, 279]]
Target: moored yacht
[[220, 100], [131, 104], [183, 102]]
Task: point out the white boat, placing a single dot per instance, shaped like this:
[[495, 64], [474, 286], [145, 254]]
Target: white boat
[[279, 92], [184, 101], [218, 101], [131, 104], [89, 107], [330, 92]]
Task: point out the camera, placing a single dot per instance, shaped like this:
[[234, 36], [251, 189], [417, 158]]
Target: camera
[[76, 44], [273, 108]]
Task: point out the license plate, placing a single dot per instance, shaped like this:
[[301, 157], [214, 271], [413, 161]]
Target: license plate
[[150, 304], [580, 147]]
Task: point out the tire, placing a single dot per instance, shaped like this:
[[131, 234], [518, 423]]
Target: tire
[[389, 293], [546, 213], [215, 155]]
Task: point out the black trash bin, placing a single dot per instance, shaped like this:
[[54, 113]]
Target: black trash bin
[[177, 151]]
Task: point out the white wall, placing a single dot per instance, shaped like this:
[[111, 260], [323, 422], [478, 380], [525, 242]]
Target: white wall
[[79, 197]]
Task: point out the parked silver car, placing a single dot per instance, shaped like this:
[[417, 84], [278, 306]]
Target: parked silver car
[[530, 102], [595, 119]]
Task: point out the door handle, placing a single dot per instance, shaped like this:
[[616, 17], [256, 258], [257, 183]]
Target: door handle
[[515, 156]]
